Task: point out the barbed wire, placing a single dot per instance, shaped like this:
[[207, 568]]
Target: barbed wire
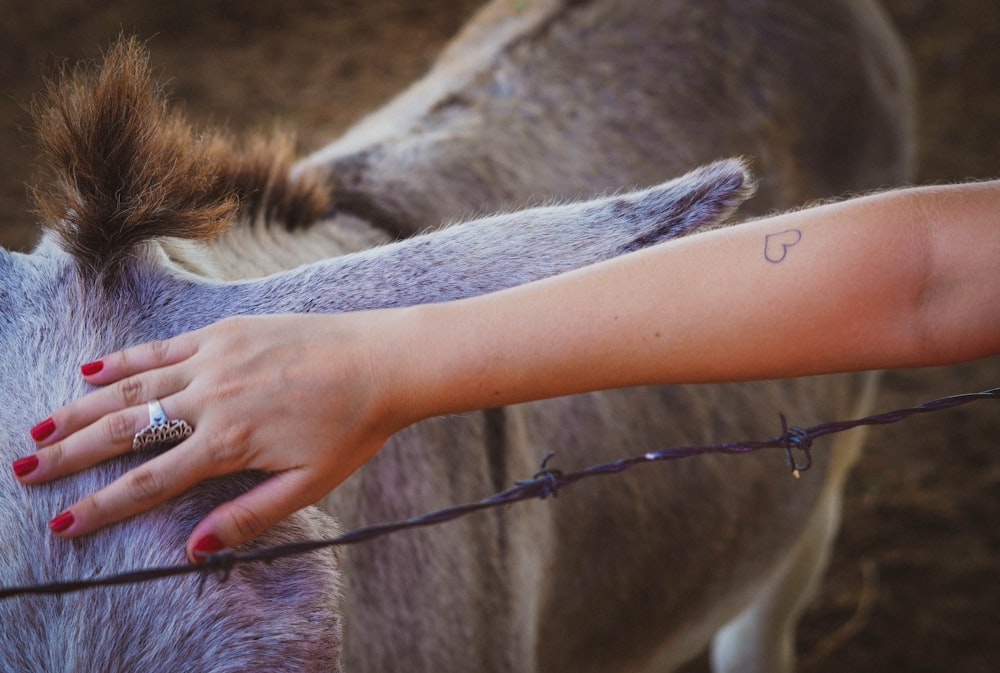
[[546, 482]]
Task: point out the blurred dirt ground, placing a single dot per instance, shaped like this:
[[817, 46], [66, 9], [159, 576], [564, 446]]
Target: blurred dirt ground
[[914, 585]]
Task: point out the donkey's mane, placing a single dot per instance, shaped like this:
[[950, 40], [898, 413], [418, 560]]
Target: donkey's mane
[[122, 168]]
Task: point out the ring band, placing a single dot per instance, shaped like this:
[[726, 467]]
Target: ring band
[[156, 415], [161, 433]]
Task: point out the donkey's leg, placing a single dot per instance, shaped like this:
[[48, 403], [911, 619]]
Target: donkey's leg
[[762, 637]]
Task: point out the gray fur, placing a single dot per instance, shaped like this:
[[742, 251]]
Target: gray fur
[[560, 100]]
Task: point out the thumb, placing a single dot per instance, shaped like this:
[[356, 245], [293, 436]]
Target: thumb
[[250, 514]]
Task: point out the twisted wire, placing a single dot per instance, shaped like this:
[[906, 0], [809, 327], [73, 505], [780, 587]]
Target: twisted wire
[[545, 483]]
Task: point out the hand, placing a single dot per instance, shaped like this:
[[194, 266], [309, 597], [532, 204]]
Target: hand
[[291, 395]]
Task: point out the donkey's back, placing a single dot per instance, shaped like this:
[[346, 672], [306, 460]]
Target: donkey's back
[[536, 100], [565, 98], [533, 102]]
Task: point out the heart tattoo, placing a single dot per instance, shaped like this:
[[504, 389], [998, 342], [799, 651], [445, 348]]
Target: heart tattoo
[[776, 245]]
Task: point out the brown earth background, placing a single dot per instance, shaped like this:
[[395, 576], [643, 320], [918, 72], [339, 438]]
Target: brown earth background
[[914, 585]]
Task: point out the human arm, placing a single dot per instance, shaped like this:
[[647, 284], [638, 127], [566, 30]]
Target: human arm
[[898, 279]]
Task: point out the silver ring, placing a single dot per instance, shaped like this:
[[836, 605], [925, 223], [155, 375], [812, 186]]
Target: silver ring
[[161, 433]]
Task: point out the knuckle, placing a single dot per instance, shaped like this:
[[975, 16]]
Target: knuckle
[[233, 323], [159, 349], [92, 510], [228, 449], [233, 330], [143, 485], [117, 429], [54, 455], [247, 523], [131, 391]]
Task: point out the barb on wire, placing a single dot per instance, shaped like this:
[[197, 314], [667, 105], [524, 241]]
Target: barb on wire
[[546, 482]]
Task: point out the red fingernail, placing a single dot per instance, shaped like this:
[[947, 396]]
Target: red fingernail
[[92, 367], [207, 545], [26, 465], [61, 522], [43, 429]]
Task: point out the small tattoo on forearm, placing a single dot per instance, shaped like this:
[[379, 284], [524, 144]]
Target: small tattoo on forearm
[[776, 245]]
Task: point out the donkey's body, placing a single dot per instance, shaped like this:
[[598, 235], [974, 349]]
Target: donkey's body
[[635, 573]]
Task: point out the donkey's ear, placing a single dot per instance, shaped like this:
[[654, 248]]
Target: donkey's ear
[[497, 252], [704, 198]]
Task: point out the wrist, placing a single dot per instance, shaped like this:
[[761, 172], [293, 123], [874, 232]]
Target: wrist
[[404, 364], [428, 361]]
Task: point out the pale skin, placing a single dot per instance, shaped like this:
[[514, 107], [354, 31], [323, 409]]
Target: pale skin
[[900, 279]]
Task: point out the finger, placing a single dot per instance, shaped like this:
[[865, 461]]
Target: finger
[[138, 359], [250, 514], [138, 490], [134, 391], [111, 435]]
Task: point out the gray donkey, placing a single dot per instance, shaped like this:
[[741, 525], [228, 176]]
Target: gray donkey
[[152, 231]]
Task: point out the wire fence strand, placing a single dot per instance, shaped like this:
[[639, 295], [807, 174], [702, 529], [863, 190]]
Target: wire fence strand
[[547, 482]]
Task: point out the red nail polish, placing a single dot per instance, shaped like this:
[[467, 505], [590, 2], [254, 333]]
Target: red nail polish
[[92, 367], [61, 522], [207, 545], [26, 465], [43, 429]]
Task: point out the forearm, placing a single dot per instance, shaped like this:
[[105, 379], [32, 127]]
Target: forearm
[[876, 282]]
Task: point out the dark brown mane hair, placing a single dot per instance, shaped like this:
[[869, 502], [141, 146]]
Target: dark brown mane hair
[[122, 168]]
